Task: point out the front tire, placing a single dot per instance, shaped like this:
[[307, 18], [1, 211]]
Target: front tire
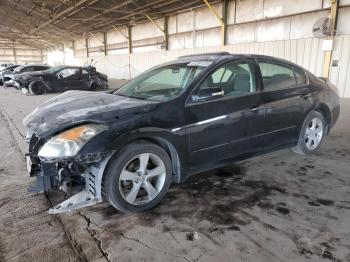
[[311, 134], [137, 177], [94, 86], [37, 88]]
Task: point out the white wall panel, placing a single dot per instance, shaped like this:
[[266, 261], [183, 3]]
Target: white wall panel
[[277, 29], [231, 12], [114, 36], [243, 33], [249, 10], [340, 76], [273, 8], [79, 44], [172, 25], [204, 18], [147, 30], [344, 21], [184, 22], [208, 38], [96, 40]]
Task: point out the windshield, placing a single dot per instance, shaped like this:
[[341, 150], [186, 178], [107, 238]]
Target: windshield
[[162, 83]]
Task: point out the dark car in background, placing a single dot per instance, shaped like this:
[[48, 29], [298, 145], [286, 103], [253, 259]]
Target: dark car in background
[[3, 66], [62, 78], [6, 70], [8, 78], [184, 117]]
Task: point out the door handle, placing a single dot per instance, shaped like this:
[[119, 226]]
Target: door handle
[[256, 108]]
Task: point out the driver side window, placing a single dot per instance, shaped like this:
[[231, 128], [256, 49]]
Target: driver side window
[[67, 72], [233, 79]]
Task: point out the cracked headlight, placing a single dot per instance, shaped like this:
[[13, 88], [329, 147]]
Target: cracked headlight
[[68, 143]]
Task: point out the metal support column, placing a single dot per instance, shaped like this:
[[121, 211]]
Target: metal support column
[[328, 54], [224, 19], [87, 47], [14, 53], [129, 40], [221, 21], [73, 47], [166, 34], [105, 43]]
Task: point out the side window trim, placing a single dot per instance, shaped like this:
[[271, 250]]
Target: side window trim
[[253, 65], [287, 65]]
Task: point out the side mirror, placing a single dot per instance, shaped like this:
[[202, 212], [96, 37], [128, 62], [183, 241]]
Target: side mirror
[[211, 92]]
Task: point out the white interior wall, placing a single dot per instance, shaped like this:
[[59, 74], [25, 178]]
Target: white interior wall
[[19, 54], [281, 28]]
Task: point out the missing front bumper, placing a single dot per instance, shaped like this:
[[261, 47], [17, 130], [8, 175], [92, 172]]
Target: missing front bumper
[[90, 194], [79, 200]]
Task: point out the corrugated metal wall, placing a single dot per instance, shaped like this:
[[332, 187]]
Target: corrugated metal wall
[[305, 52], [281, 28], [340, 75]]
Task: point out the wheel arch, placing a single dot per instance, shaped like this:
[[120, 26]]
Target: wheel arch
[[33, 81], [326, 112], [165, 143]]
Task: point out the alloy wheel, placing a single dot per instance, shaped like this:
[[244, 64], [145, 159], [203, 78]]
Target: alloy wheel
[[142, 179], [313, 133]]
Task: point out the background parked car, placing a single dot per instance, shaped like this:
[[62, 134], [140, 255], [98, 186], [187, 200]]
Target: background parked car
[[6, 70], [21, 69], [3, 66], [62, 78]]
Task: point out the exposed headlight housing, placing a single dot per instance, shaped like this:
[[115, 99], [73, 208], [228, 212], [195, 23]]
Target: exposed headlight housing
[[68, 143]]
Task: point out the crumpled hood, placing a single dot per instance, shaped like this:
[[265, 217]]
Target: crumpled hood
[[73, 107]]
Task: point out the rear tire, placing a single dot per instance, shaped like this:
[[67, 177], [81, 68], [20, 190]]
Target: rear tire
[[311, 134], [37, 88], [138, 177]]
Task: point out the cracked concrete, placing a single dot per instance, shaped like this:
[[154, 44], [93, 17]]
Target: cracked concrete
[[277, 207], [27, 232], [93, 233]]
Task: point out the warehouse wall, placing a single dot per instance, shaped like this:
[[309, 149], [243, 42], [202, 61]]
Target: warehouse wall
[[18, 54], [282, 28]]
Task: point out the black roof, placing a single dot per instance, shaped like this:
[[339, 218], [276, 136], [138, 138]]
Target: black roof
[[215, 56]]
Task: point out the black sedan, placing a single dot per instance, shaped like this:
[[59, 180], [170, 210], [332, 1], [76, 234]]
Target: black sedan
[[62, 78], [197, 113]]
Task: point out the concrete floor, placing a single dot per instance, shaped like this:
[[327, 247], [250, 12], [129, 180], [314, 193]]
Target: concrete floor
[[277, 207]]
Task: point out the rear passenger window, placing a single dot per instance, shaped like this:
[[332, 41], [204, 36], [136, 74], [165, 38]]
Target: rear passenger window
[[300, 76], [232, 79], [277, 76]]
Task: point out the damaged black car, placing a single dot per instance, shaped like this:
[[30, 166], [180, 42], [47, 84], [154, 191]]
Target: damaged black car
[[60, 79], [8, 77], [184, 117]]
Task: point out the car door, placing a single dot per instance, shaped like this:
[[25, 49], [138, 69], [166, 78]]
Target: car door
[[223, 117], [68, 79], [85, 79], [286, 98]]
